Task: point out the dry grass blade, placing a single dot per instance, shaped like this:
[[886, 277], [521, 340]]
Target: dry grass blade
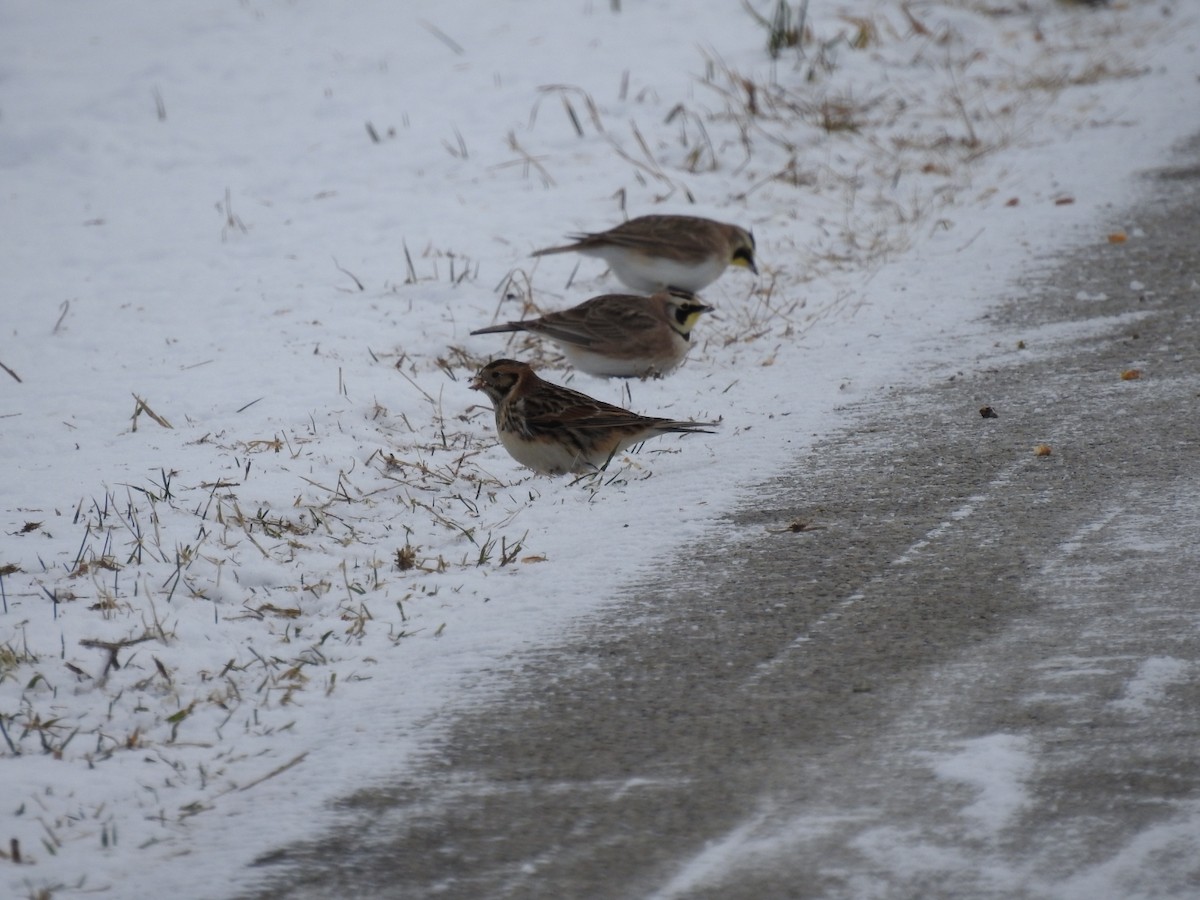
[[442, 36], [143, 407], [114, 647], [232, 222], [527, 161], [424, 393], [411, 276], [650, 165], [571, 115], [565, 92], [916, 24], [459, 149], [65, 308], [352, 276], [783, 30], [294, 761]]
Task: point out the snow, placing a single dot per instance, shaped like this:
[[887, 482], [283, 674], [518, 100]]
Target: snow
[[244, 246], [1155, 677], [994, 766]]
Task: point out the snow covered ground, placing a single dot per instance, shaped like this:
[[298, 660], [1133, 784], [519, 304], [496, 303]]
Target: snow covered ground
[[258, 539]]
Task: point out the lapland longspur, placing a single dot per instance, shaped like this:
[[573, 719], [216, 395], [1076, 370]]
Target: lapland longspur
[[619, 335], [554, 430], [650, 253]]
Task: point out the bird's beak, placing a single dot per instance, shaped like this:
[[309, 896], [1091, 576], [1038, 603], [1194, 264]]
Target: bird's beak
[[476, 384]]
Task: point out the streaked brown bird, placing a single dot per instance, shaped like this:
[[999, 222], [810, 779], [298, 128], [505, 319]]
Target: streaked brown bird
[[554, 430]]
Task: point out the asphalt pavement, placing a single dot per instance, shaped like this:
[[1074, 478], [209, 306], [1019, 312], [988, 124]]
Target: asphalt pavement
[[980, 677]]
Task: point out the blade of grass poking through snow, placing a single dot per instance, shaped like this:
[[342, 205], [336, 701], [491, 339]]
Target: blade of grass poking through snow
[[411, 272], [143, 407], [442, 36], [64, 308], [358, 284]]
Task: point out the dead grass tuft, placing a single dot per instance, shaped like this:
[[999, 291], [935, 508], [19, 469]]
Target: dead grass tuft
[[406, 557], [1093, 72], [785, 29]]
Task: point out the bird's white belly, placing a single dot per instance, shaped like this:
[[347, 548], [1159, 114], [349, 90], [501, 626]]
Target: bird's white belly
[[645, 274], [608, 367], [548, 457]]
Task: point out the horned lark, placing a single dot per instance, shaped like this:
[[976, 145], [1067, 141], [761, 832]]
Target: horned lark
[[653, 252], [620, 335], [554, 430]]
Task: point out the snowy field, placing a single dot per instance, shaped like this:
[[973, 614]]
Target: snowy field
[[258, 538]]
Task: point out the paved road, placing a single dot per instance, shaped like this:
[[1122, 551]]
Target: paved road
[[979, 679]]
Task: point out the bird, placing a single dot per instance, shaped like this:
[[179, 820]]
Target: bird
[[650, 253], [620, 335], [554, 430]]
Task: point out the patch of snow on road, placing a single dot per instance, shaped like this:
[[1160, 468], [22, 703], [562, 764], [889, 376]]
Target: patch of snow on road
[[994, 767], [1155, 676]]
